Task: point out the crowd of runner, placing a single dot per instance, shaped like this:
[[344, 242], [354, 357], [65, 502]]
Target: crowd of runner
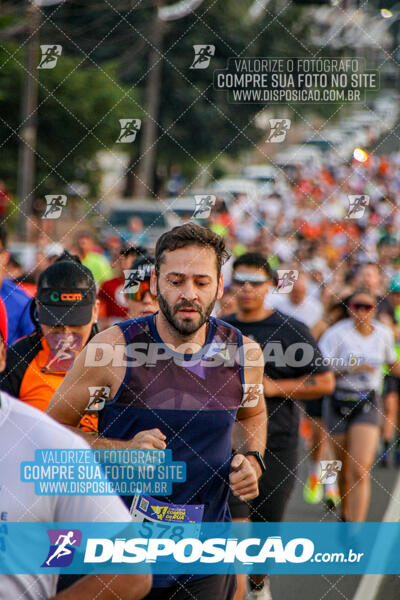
[[311, 273]]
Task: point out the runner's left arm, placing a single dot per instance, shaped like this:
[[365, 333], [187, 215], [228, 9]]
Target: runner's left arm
[[390, 353], [250, 428], [394, 369]]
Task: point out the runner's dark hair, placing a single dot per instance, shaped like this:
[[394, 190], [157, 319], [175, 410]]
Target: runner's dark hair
[[361, 290], [254, 259], [142, 261], [190, 234]]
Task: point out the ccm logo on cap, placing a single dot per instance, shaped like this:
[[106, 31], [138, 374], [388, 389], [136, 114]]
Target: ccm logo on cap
[[65, 297]]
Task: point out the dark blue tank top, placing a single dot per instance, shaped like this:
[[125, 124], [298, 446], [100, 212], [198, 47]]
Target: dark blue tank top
[[192, 399]]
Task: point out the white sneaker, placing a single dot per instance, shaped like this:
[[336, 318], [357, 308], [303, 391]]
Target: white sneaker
[[264, 594]]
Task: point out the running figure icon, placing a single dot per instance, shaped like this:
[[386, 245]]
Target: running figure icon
[[62, 542], [50, 55], [63, 347], [202, 55]]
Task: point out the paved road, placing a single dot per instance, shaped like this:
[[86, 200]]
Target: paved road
[[390, 588], [334, 587]]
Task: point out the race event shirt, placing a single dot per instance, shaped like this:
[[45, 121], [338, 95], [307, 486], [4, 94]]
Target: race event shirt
[[342, 340], [281, 338], [18, 501]]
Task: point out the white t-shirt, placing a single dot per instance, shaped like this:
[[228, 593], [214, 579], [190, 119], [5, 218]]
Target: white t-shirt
[[284, 248], [342, 340], [23, 430], [308, 312]]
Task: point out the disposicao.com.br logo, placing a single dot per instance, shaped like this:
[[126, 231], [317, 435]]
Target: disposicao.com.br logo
[[210, 551]]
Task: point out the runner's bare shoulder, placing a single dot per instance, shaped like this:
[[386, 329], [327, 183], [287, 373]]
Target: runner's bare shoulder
[[252, 353], [106, 350]]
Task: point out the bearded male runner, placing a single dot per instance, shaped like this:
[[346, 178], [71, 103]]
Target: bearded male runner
[[192, 384]]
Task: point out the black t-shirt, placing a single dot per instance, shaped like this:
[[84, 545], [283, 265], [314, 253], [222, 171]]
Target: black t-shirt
[[290, 351]]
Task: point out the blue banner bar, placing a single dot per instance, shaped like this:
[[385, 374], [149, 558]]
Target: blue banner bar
[[287, 548]]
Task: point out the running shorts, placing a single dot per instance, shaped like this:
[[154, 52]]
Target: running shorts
[[239, 510], [313, 408], [275, 485], [337, 421]]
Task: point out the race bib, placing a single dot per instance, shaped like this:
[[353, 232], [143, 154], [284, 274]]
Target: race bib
[[149, 509], [160, 519]]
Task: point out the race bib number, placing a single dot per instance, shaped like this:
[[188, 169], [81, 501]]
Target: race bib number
[[147, 508], [159, 519]]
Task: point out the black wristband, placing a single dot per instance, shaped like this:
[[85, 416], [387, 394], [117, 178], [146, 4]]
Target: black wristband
[[258, 457]]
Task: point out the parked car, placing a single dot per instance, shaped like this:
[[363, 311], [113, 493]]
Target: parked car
[[182, 206], [298, 155], [236, 186], [261, 173], [155, 216]]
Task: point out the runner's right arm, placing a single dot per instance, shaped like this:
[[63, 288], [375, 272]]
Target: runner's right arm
[[99, 364]]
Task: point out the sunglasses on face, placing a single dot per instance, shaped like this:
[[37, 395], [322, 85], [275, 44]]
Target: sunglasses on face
[[361, 306], [140, 293], [241, 279]]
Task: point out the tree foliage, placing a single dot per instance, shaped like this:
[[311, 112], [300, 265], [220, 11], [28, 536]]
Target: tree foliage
[[87, 95], [78, 110]]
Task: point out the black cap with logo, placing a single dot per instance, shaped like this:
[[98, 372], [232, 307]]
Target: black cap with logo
[[66, 293]]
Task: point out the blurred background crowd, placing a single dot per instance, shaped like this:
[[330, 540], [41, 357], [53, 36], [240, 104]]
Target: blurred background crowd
[[300, 217]]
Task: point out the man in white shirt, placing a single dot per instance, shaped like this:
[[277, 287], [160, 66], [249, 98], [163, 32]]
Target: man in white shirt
[[297, 303], [23, 430]]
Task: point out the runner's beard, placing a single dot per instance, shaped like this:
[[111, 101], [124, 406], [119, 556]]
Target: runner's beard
[[184, 327]]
